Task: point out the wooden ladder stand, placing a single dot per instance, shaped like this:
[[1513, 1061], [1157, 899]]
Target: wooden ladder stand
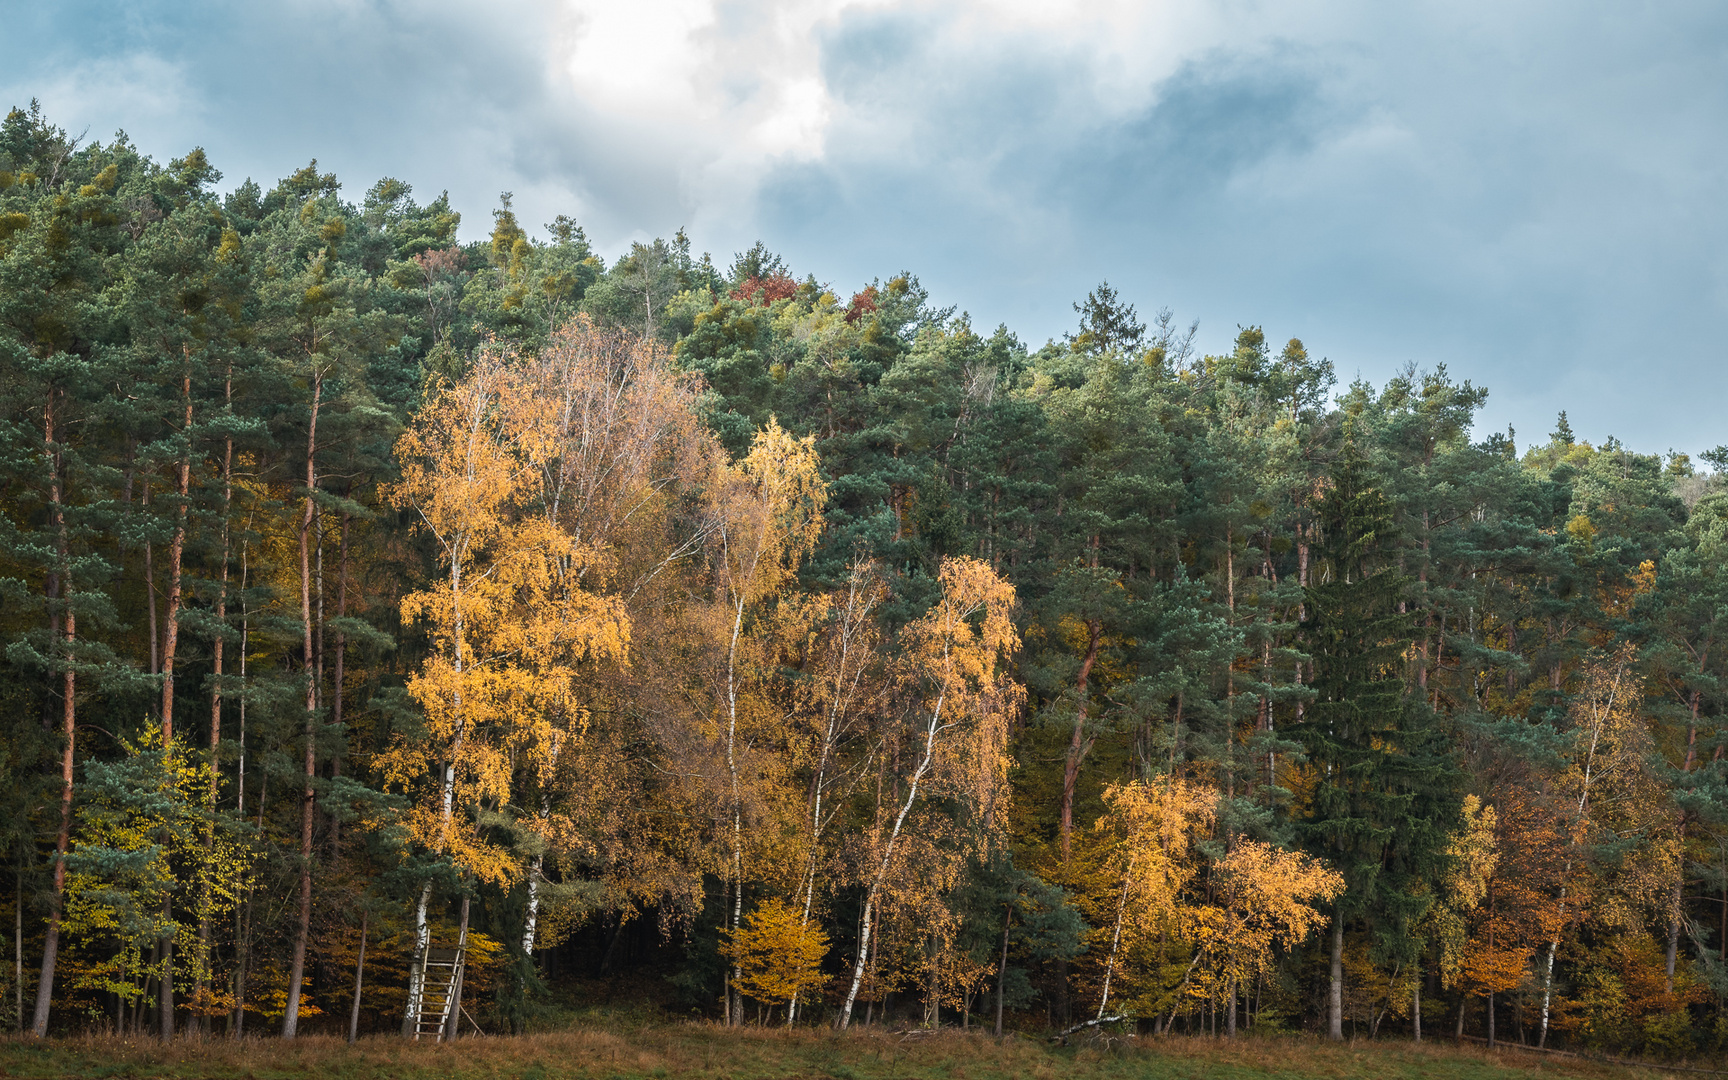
[[438, 1001]]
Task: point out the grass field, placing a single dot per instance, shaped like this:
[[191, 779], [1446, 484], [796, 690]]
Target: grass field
[[713, 1053]]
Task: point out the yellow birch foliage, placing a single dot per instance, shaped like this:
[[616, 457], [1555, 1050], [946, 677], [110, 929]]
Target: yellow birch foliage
[[955, 670], [778, 955], [1150, 829], [767, 519], [1617, 797], [1472, 858], [942, 795], [521, 600], [1263, 904], [1145, 841]]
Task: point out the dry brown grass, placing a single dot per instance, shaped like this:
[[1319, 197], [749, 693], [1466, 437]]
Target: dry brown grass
[[654, 1051]]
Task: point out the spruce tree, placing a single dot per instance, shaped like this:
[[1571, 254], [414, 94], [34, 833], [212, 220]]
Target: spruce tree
[[1378, 804]]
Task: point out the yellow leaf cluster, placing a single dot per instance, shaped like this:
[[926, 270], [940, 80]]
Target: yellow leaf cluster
[[778, 954]]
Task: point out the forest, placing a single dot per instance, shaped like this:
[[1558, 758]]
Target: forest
[[715, 641]]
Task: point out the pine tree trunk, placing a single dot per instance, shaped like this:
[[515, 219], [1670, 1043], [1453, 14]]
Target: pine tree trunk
[[150, 587], [297, 969], [176, 556], [1078, 744], [216, 647], [1002, 971], [341, 664], [68, 626], [1335, 990], [170, 650], [1416, 1008]]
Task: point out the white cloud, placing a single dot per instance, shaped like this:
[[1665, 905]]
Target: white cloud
[[158, 95], [720, 95]]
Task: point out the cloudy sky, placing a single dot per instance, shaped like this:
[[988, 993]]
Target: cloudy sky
[[1535, 195]]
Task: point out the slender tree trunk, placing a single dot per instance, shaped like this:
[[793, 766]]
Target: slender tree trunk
[[18, 951], [216, 647], [170, 649], [930, 733], [1416, 1008], [68, 728], [1078, 744], [165, 998], [417, 974], [341, 664], [1674, 898], [176, 555], [359, 976], [531, 923], [454, 1027], [297, 969], [243, 918], [251, 892], [735, 1015], [1547, 993], [1335, 990], [1115, 941], [150, 586], [726, 1011], [245, 642], [1002, 971]]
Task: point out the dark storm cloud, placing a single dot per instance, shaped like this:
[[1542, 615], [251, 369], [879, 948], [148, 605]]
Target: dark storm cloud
[[1533, 199], [1532, 194]]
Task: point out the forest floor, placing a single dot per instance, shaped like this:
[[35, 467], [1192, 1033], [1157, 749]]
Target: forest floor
[[709, 1052]]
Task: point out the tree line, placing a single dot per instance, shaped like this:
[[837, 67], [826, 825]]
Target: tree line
[[718, 639]]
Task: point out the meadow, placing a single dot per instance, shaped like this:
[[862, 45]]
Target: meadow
[[710, 1052]]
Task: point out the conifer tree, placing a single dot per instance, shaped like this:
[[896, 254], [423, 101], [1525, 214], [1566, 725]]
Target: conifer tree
[[1376, 808]]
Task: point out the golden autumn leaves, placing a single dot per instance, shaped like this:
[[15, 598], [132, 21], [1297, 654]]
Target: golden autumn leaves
[[628, 688], [1259, 899], [614, 619]]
